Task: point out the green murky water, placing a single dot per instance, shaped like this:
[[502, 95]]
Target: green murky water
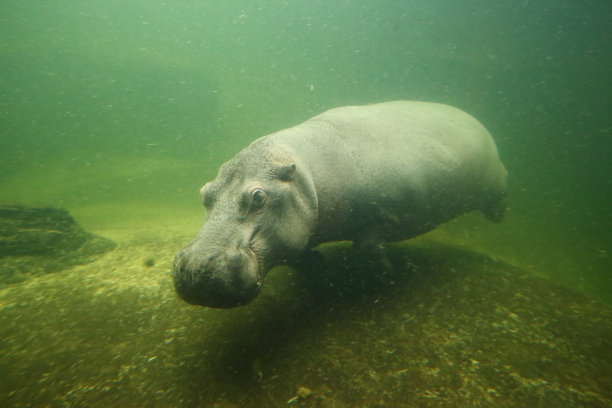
[[120, 111]]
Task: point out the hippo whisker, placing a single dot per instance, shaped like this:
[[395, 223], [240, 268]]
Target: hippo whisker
[[257, 248]]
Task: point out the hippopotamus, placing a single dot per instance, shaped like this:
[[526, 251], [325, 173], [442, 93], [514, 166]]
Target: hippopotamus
[[368, 174]]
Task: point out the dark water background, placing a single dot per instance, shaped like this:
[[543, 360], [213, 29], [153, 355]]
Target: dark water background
[[120, 110]]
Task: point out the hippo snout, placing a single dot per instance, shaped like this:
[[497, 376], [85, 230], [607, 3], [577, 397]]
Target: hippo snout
[[220, 279]]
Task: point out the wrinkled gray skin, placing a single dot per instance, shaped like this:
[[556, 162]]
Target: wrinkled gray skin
[[369, 174]]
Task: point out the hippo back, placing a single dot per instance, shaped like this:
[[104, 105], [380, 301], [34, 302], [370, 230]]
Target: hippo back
[[396, 169]]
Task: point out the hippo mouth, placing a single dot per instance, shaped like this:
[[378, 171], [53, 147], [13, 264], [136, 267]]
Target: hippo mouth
[[255, 250]]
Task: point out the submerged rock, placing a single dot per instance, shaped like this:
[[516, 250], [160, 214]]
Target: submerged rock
[[34, 241]]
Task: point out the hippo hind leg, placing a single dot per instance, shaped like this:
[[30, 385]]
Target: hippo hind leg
[[495, 209]]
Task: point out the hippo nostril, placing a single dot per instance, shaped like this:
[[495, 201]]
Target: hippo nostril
[[189, 265]]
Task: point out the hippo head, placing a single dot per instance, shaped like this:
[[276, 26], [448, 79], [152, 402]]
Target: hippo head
[[260, 210]]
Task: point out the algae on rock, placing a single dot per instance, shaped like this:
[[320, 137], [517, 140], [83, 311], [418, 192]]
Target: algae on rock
[[35, 241]]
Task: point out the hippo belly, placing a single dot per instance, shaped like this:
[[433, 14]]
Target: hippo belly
[[369, 174]]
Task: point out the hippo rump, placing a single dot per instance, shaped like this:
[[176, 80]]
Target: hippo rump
[[369, 174]]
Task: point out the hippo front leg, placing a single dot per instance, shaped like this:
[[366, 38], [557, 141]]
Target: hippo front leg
[[369, 245], [309, 260], [369, 256]]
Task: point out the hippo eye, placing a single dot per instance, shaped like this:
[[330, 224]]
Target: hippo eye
[[258, 198]]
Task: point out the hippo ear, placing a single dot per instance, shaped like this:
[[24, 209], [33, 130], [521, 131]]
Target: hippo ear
[[286, 172]]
